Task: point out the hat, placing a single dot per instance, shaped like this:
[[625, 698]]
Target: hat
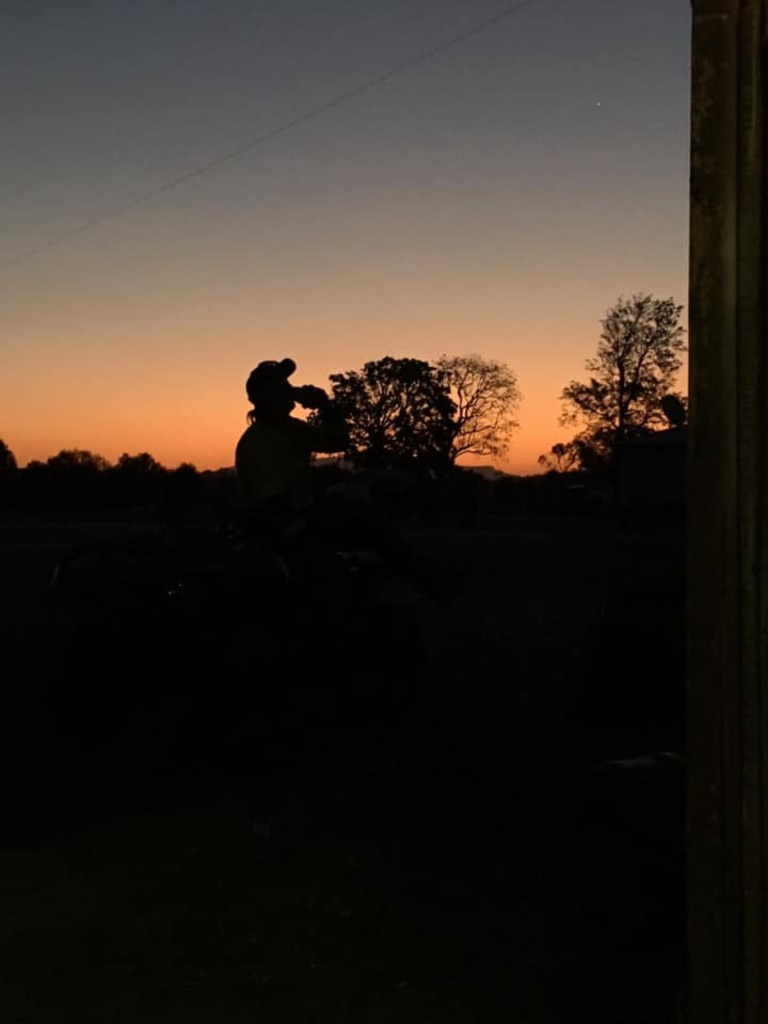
[[268, 376]]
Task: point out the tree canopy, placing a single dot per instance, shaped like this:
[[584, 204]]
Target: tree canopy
[[639, 356], [399, 411], [77, 460]]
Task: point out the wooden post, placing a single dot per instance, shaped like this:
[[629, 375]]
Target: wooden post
[[727, 530]]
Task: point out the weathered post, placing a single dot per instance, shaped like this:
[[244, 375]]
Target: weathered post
[[728, 508]]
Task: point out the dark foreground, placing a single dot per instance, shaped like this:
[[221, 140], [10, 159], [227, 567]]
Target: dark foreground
[[464, 865]]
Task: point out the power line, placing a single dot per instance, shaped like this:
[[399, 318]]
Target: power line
[[282, 129]]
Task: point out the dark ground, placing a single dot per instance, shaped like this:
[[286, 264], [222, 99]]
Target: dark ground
[[454, 872]]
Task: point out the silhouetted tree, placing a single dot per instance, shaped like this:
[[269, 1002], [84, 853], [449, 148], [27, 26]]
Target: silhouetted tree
[[185, 472], [181, 489], [77, 460], [638, 358], [486, 396], [142, 464], [138, 478], [8, 476], [562, 457], [73, 476], [7, 459], [399, 411]]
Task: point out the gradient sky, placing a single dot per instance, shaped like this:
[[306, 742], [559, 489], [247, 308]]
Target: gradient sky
[[495, 199]]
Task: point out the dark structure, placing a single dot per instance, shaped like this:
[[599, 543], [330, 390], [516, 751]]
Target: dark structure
[[651, 477]]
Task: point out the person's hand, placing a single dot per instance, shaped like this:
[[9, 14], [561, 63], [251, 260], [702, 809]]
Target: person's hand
[[311, 397]]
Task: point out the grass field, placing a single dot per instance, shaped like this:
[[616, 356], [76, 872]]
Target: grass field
[[443, 875]]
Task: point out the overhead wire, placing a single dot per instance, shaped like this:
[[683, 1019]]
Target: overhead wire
[[281, 129]]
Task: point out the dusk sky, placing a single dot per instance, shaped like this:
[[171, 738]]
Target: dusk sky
[[496, 198]]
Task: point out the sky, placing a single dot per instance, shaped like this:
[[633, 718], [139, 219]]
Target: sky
[[496, 198]]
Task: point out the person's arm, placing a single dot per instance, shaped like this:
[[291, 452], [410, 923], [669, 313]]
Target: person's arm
[[329, 433]]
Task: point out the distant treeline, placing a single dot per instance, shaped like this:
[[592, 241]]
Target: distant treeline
[[83, 486]]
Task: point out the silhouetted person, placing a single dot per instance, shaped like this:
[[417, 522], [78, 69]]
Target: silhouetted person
[[273, 462], [273, 456]]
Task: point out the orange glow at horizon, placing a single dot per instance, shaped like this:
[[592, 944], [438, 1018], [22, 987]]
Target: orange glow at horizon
[[180, 396]]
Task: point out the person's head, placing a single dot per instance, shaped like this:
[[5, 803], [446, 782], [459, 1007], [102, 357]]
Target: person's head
[[269, 390]]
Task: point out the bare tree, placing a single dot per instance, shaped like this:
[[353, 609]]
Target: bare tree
[[487, 397]]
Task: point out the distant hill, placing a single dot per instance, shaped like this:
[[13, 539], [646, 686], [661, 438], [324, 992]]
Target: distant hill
[[486, 472]]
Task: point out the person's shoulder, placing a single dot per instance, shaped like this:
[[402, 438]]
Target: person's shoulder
[[247, 434], [262, 428]]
